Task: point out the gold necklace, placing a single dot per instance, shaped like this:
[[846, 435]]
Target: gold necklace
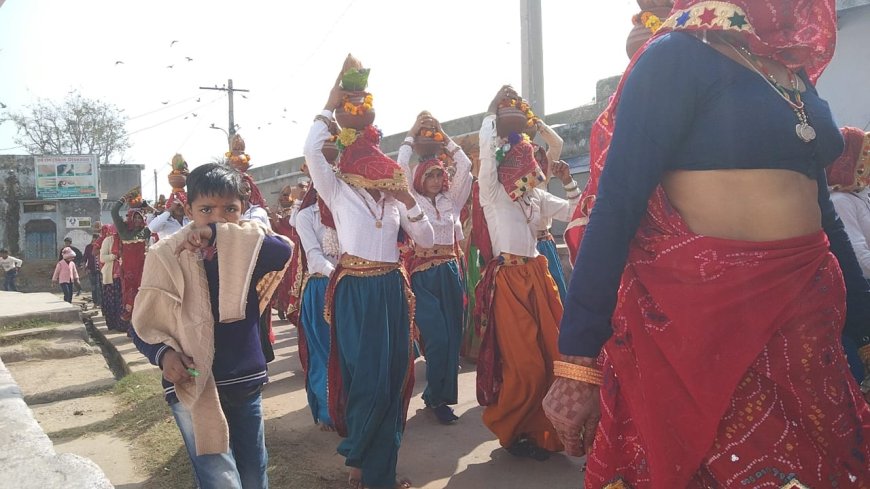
[[805, 132], [378, 220]]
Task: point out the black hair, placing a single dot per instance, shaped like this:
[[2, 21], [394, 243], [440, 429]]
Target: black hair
[[213, 179], [67, 239], [4, 251]]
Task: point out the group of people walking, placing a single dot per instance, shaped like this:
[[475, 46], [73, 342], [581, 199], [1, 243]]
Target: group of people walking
[[699, 343]]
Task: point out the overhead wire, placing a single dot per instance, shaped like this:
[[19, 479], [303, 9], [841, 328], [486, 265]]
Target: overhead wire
[[167, 106], [175, 117]]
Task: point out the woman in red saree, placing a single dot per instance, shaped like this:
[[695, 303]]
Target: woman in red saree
[[710, 291], [131, 251]]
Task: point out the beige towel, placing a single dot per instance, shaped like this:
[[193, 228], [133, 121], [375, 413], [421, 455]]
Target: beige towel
[[173, 307]]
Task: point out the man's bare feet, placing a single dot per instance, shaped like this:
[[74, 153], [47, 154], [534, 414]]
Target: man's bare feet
[[326, 427]]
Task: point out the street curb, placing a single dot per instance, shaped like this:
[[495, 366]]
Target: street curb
[[114, 359]]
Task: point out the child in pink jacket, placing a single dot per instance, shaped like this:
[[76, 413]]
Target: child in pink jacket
[[66, 273]]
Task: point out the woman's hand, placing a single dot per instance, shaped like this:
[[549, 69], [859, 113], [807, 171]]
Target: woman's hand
[[573, 408], [424, 119], [506, 92], [402, 196], [560, 170]]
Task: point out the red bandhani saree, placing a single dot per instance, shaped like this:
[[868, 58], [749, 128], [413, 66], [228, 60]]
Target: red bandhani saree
[[725, 368]]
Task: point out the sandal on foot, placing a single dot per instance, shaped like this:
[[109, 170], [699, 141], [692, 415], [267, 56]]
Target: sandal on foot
[[525, 447], [445, 414]]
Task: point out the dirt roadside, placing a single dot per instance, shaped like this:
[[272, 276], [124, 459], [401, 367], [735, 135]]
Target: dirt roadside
[[129, 432]]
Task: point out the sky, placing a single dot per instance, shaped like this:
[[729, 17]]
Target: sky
[[449, 57]]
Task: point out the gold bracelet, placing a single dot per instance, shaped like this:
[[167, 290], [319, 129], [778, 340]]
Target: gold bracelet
[[578, 372], [864, 353]]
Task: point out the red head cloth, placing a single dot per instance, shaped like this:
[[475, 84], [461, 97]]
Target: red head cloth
[[363, 165], [519, 167], [424, 168], [851, 171], [177, 196], [132, 212], [797, 33], [105, 230], [256, 198]]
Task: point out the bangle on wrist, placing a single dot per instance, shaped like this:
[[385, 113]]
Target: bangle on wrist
[[322, 118], [578, 372], [417, 218], [864, 353], [571, 186]]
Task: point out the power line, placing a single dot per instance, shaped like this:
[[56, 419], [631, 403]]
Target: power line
[[162, 108], [174, 117]]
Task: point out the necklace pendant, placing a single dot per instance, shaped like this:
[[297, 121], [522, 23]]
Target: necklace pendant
[[379, 224], [805, 132]]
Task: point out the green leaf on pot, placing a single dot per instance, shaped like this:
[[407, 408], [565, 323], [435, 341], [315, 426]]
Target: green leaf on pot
[[355, 79]]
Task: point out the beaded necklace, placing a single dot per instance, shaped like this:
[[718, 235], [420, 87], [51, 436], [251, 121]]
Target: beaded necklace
[[805, 132]]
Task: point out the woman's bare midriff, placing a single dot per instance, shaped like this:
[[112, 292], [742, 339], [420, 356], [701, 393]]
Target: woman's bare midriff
[[745, 205]]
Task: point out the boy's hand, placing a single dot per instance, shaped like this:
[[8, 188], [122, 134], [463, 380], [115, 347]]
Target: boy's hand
[[197, 239], [175, 367]]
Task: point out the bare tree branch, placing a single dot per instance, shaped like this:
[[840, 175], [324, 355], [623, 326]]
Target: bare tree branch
[[77, 125]]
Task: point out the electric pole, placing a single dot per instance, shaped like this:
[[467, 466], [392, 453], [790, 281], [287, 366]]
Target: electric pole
[[532, 57], [229, 89], [155, 186]]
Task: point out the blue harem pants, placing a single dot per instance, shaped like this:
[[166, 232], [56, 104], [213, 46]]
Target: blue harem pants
[[373, 335], [547, 247], [439, 317], [316, 331]]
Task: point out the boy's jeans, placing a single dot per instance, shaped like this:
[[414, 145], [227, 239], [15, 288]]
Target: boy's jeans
[[9, 282], [244, 467]]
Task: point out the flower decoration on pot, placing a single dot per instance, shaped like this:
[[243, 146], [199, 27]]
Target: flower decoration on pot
[[236, 156], [428, 142], [178, 175], [515, 116], [356, 111], [651, 21]]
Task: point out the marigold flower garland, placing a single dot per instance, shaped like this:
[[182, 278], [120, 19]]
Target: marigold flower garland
[[431, 133], [651, 21], [522, 106], [357, 109]]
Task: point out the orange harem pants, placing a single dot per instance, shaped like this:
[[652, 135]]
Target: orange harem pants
[[526, 311]]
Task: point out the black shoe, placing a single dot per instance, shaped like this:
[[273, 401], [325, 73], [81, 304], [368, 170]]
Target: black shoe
[[445, 414], [525, 447]]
